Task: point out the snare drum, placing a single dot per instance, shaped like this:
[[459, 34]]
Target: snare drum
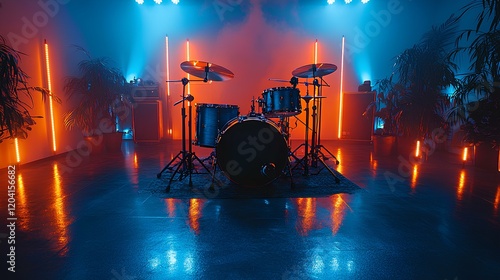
[[210, 120], [281, 101]]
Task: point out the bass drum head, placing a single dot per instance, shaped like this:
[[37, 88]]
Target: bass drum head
[[251, 151]]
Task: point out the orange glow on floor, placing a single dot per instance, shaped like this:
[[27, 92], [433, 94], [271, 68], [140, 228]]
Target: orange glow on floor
[[341, 93], [464, 155], [170, 206], [417, 149], [194, 214], [461, 185], [22, 206], [18, 155], [306, 214], [136, 161], [51, 106], [338, 212], [414, 177], [497, 199], [60, 216], [339, 158]]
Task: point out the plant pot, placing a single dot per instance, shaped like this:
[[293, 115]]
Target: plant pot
[[93, 145], [384, 145], [486, 157], [113, 141]]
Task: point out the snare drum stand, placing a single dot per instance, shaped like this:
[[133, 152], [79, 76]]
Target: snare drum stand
[[186, 157]]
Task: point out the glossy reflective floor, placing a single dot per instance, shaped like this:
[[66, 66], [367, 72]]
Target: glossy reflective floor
[[87, 218]]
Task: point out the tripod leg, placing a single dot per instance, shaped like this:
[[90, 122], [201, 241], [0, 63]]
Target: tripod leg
[[292, 185], [168, 165], [214, 167], [337, 162], [167, 189], [337, 180]]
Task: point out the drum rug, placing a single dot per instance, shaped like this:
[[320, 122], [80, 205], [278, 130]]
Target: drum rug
[[319, 183]]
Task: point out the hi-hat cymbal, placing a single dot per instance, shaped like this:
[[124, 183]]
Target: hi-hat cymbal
[[309, 97], [207, 71], [314, 70]]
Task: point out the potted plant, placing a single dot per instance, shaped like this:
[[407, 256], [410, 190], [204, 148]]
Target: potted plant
[[387, 112], [477, 99], [100, 92], [425, 71], [15, 119]]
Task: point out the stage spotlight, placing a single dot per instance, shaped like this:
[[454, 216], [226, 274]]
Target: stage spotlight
[[330, 2], [140, 2], [158, 2], [364, 1], [348, 1], [175, 2]]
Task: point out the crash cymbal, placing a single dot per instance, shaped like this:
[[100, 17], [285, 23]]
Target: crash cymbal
[[314, 70], [207, 71]]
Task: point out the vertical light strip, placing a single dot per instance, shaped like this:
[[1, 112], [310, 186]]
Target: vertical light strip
[[18, 156], [464, 156], [51, 106], [417, 150], [167, 65], [341, 94], [316, 52], [187, 58]]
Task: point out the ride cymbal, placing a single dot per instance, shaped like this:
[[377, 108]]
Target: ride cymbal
[[314, 70], [207, 71]]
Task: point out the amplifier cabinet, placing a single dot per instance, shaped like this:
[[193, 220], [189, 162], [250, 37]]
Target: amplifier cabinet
[[147, 121], [355, 126]]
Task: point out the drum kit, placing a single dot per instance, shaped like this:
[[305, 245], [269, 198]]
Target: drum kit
[[252, 150]]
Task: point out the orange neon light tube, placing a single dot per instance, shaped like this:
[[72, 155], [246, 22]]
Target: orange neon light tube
[[51, 106], [341, 105], [18, 156], [188, 50], [417, 150], [167, 65], [316, 52]]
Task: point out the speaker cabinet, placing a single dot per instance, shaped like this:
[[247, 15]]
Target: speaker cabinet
[[146, 121], [355, 126]]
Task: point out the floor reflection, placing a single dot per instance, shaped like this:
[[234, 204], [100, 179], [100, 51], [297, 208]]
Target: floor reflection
[[60, 217], [310, 211], [194, 214], [496, 202], [461, 185], [23, 206]]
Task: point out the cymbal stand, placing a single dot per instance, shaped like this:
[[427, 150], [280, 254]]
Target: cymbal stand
[[186, 157], [317, 138], [315, 148], [304, 160]]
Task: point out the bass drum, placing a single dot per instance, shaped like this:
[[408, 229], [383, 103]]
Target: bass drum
[[251, 151]]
